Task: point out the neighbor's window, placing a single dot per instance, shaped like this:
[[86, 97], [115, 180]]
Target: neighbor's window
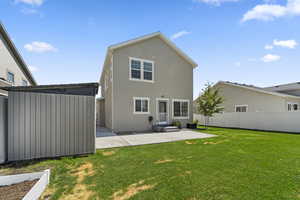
[[24, 83], [10, 77], [293, 106], [181, 109], [141, 69], [242, 108], [141, 105]]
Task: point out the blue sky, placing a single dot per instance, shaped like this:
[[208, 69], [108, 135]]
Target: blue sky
[[247, 41]]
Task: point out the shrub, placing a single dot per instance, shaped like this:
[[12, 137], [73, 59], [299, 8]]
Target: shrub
[[177, 123], [195, 121]]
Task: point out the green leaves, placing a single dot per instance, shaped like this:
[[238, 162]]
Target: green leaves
[[209, 102]]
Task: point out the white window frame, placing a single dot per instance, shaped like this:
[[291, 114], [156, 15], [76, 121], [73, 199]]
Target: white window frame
[[142, 70], [13, 75], [24, 81], [235, 106], [292, 106], [141, 98], [181, 100]]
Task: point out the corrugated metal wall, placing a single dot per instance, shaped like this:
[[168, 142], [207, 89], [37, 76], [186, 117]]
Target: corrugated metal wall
[[49, 125], [3, 128]]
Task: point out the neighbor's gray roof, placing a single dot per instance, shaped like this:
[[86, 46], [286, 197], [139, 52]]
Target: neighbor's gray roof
[[257, 89], [88, 89], [284, 87], [16, 55]]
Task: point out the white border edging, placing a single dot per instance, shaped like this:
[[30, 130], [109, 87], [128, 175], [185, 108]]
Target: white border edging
[[38, 188]]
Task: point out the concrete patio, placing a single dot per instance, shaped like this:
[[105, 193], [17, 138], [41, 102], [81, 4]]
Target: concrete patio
[[107, 139]]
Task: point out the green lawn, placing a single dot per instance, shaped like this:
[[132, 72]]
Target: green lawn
[[239, 164]]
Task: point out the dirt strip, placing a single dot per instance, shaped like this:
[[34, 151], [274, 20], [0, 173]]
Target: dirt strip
[[16, 191]]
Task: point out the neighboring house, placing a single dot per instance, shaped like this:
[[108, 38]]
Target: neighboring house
[[143, 77], [249, 98], [13, 70]]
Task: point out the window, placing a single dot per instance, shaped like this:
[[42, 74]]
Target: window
[[24, 83], [292, 106], [10, 77], [241, 108], [141, 105], [148, 71], [141, 70], [180, 109]]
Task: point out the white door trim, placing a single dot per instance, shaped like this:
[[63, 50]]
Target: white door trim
[[157, 110]]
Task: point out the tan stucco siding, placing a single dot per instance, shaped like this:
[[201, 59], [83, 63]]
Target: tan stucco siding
[[8, 63], [173, 79], [256, 101]]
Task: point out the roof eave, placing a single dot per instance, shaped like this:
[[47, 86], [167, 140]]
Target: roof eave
[[155, 34], [17, 55]]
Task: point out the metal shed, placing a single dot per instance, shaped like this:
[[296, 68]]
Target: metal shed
[[51, 120]]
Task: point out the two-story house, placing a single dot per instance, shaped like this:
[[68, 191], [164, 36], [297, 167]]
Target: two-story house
[[147, 77], [13, 69]]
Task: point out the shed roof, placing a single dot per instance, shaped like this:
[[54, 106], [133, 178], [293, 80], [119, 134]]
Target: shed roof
[[85, 89]]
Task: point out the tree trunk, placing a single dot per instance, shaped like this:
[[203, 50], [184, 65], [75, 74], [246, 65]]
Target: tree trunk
[[205, 122]]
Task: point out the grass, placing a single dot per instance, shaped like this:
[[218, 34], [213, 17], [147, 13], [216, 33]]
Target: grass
[[239, 164]]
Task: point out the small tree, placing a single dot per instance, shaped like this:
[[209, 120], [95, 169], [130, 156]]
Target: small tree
[[209, 102]]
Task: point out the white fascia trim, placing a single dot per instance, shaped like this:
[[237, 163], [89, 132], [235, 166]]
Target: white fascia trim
[[108, 56], [142, 70], [141, 98], [5, 82], [181, 100], [165, 39], [245, 105]]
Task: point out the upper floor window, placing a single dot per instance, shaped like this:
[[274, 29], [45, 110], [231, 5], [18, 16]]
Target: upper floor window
[[24, 83], [180, 109], [141, 69], [241, 108], [10, 77]]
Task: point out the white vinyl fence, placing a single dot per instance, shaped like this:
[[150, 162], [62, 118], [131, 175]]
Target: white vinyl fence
[[269, 121]]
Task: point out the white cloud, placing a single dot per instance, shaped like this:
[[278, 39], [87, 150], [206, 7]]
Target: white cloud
[[215, 2], [179, 34], [268, 12], [29, 11], [31, 2], [252, 59], [39, 47], [237, 64], [32, 68], [270, 58], [285, 43], [269, 47]]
